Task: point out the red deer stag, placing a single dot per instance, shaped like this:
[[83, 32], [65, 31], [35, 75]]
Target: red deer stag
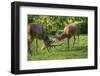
[[36, 31], [70, 30]]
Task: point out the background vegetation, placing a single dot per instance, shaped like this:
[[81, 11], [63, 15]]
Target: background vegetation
[[53, 25], [79, 51]]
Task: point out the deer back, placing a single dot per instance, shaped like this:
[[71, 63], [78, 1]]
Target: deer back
[[37, 31], [71, 29]]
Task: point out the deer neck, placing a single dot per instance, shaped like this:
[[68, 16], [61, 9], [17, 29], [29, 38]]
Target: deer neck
[[61, 36]]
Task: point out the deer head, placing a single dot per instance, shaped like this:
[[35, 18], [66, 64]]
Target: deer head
[[59, 37]]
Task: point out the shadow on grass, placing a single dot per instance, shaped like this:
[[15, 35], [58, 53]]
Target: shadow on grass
[[78, 48]]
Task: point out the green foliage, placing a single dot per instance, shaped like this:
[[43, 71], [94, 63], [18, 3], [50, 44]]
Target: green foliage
[[61, 52], [54, 23]]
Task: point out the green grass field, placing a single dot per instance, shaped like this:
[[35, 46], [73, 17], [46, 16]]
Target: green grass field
[[79, 51]]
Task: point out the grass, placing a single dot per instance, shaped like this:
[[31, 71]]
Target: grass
[[79, 51]]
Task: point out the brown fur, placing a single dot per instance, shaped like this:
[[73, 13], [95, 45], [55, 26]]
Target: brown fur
[[32, 34], [70, 30]]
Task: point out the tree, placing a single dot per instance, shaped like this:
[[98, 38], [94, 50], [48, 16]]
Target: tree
[[55, 23]]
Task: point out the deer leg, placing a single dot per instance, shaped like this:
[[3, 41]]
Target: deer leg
[[36, 46], [68, 42], [74, 40], [47, 49], [29, 50], [29, 43], [78, 37]]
